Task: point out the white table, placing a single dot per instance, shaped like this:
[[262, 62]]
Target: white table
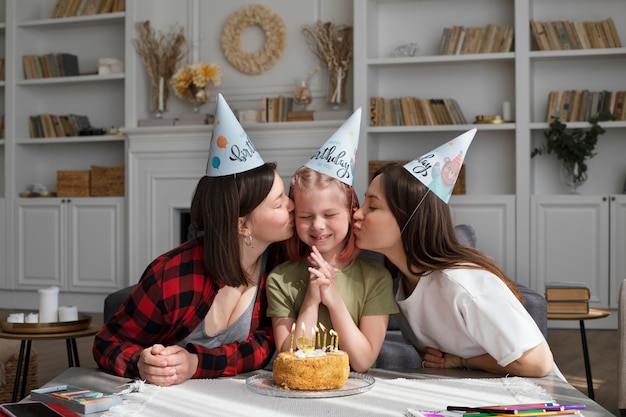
[[561, 391]]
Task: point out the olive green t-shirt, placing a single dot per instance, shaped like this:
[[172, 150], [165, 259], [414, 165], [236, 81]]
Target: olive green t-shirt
[[365, 286]]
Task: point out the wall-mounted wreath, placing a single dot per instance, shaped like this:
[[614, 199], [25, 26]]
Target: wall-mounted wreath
[[271, 24]]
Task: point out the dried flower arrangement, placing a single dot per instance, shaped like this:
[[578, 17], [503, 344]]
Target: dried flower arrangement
[[332, 44], [160, 53], [191, 81]]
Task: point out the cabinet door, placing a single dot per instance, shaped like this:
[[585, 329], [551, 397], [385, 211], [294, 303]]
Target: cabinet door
[[618, 245], [493, 218], [40, 243], [95, 244], [570, 243]]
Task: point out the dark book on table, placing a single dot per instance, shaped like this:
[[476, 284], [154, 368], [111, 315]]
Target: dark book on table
[[567, 291]]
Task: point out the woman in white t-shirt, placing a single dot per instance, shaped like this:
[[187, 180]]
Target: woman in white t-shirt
[[458, 308]]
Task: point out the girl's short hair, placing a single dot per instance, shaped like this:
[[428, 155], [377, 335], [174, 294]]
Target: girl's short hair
[[306, 180], [429, 237], [217, 204]]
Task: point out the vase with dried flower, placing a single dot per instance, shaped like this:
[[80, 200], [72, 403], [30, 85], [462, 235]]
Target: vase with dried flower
[[191, 82], [302, 95], [332, 44], [160, 54], [572, 148]]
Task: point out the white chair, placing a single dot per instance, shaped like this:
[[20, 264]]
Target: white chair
[[621, 362]]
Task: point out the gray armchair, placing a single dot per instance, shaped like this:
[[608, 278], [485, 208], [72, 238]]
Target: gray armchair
[[398, 353]]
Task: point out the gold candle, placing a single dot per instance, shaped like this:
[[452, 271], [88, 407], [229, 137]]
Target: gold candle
[[334, 338], [324, 340], [318, 335], [293, 329]]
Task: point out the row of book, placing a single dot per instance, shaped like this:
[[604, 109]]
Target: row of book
[[2, 126], [567, 298], [563, 35], [50, 65], [281, 109], [55, 126], [69, 8], [459, 40], [415, 111], [2, 69], [579, 106]]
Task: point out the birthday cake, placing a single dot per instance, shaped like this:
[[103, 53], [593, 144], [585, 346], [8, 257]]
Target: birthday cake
[[310, 368], [314, 371]]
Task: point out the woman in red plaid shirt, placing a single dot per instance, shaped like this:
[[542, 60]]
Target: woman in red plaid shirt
[[199, 310]]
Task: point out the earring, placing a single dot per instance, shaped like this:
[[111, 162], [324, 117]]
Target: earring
[[248, 240]]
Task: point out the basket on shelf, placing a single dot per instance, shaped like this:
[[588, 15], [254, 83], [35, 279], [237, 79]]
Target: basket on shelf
[[107, 181], [459, 187], [73, 183]]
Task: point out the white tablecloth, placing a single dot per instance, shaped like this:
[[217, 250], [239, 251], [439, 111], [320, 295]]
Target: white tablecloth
[[391, 397]]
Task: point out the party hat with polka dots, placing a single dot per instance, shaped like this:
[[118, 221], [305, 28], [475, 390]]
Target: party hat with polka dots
[[231, 149], [337, 157], [439, 169]]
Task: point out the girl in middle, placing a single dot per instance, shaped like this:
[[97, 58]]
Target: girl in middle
[[326, 280]]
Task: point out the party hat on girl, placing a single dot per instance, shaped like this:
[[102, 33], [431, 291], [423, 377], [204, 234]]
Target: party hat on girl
[[337, 157], [439, 169], [231, 149]]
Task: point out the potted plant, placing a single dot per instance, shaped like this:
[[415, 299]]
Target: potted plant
[[573, 147]]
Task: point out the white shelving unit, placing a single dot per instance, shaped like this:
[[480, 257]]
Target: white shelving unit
[[503, 184], [77, 230]]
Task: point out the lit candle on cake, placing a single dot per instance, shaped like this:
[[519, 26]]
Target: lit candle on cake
[[324, 339], [334, 339], [293, 329]]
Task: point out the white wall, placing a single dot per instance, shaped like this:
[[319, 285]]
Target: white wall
[[203, 21]]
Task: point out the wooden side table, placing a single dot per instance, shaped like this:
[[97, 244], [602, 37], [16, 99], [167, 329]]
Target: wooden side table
[[594, 313], [25, 347]]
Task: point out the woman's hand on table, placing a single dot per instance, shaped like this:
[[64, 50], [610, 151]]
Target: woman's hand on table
[[165, 366]]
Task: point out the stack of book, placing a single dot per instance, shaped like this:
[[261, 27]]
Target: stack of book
[[275, 109], [70, 8], [56, 126], [579, 106], [459, 40], [415, 111], [567, 297], [563, 35], [50, 65]]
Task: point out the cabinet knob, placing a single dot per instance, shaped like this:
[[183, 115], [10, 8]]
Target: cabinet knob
[[604, 198]]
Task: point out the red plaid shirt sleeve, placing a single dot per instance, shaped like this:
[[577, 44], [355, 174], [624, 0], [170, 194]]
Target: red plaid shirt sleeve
[[170, 301]]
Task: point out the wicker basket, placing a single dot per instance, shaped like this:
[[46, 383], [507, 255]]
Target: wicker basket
[[107, 181], [73, 183], [10, 367], [459, 187]]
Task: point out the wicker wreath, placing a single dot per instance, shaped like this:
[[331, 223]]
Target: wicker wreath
[[275, 33]]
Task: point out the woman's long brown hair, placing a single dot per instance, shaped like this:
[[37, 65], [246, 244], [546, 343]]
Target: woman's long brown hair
[[429, 238]]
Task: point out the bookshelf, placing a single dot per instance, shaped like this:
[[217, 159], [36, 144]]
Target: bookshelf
[[3, 172], [53, 239], [503, 199]]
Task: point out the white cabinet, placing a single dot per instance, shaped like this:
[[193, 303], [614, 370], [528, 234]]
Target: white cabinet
[[49, 241], [493, 218], [74, 243], [580, 238], [617, 231]]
